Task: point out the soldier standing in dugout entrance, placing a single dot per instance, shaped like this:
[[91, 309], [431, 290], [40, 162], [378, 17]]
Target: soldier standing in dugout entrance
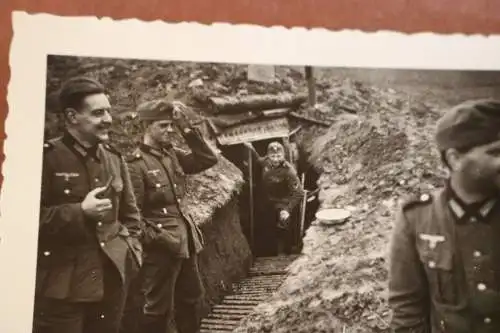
[[283, 191], [445, 252], [172, 284], [88, 246]]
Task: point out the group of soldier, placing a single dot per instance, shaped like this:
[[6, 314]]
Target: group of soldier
[[105, 218], [110, 223]]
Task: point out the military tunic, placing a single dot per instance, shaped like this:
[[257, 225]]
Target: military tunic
[[281, 190], [79, 259], [281, 186], [445, 266], [172, 239]]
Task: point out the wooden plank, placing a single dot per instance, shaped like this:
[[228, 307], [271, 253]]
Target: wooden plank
[[311, 85], [310, 120], [239, 104], [250, 182]]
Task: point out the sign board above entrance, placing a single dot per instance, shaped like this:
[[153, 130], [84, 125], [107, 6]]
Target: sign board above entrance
[[255, 131]]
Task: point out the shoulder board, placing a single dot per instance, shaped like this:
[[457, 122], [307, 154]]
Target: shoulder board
[[112, 149], [180, 150], [134, 156], [419, 200]]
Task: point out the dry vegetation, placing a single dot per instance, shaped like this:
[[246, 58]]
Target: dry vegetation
[[378, 150]]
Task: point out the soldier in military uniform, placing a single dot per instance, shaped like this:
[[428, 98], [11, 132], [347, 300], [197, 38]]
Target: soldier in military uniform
[[282, 190], [88, 248], [445, 251], [172, 282]]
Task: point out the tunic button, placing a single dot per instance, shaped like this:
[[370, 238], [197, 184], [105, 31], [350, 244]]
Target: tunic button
[[159, 225], [481, 286], [487, 320], [96, 180], [102, 316], [99, 224], [66, 191], [158, 185], [473, 220], [102, 244], [432, 264], [46, 253], [477, 254]]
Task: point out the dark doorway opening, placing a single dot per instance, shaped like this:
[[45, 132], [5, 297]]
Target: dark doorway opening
[[256, 229]]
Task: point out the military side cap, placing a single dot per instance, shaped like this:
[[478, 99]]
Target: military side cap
[[158, 109], [469, 124]]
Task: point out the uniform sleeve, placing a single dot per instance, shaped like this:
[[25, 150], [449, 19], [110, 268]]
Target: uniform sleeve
[[129, 213], [258, 159], [64, 221], [295, 190], [201, 156], [408, 292], [138, 186]]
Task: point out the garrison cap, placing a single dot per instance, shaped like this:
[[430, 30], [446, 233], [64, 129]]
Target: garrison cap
[[75, 89], [469, 124], [158, 109]]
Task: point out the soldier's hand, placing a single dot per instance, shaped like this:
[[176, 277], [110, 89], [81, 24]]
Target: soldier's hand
[[179, 115], [94, 207], [284, 215]]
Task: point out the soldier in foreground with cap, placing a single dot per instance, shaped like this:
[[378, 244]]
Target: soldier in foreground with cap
[[282, 190], [88, 245], [445, 251], [172, 283]]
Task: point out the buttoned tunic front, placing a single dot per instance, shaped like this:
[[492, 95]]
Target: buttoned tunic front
[[445, 266]]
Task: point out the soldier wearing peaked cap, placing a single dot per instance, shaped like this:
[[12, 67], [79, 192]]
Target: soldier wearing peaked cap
[[88, 247], [445, 250], [172, 284]]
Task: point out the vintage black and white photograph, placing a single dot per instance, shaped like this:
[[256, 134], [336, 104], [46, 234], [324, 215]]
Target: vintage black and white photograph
[[222, 196]]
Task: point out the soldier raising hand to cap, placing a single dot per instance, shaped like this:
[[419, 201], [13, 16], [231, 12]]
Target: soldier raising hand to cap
[[172, 239]]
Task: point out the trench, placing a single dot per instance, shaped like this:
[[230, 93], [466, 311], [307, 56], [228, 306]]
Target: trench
[[268, 270]]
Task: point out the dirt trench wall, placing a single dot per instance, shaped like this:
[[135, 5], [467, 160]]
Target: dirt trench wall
[[227, 255]]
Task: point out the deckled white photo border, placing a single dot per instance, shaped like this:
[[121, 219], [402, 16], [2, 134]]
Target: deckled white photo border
[[36, 36]]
